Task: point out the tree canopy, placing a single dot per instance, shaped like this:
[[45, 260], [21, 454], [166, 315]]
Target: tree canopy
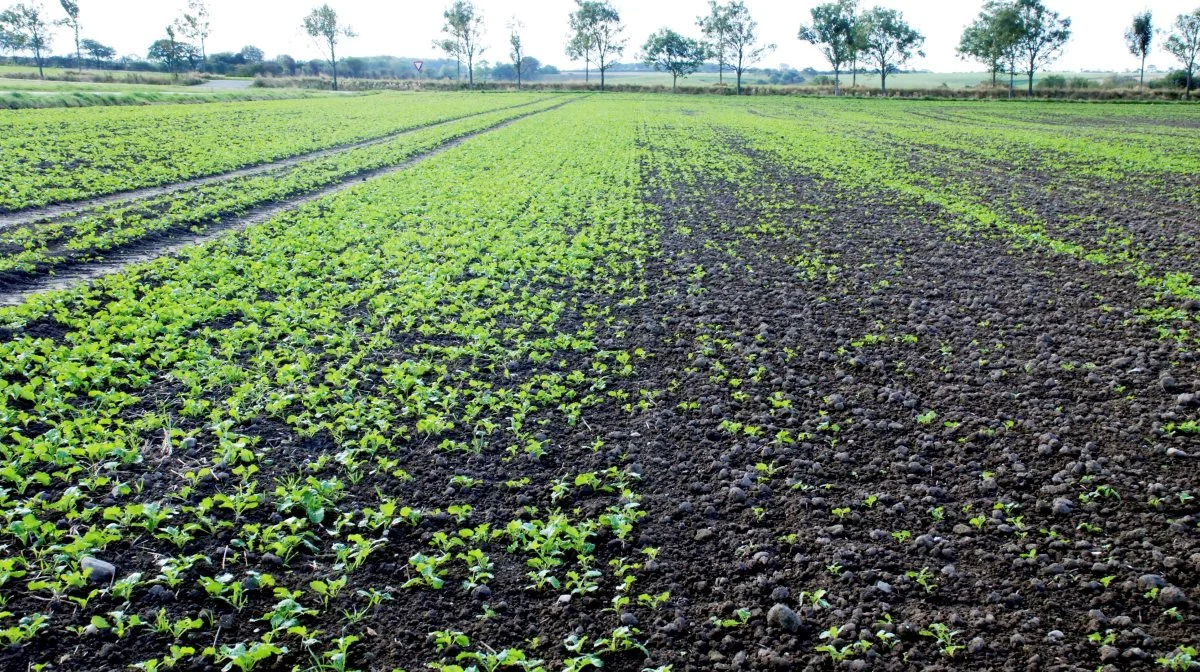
[[1184, 43], [833, 30], [889, 42], [1042, 38], [23, 27], [745, 49], [600, 24], [464, 27], [668, 51], [324, 27]]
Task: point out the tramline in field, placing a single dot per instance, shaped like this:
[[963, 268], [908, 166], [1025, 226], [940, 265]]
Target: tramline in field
[[631, 382]]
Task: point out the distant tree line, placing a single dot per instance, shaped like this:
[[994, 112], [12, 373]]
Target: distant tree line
[[1017, 38]]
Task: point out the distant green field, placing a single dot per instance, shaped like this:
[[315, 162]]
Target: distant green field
[[921, 80], [126, 80], [11, 84], [646, 78]]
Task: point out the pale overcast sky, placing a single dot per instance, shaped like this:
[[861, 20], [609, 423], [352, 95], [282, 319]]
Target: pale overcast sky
[[407, 28]]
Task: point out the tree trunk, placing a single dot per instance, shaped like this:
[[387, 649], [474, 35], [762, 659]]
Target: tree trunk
[[1142, 79], [38, 56], [854, 73], [720, 72], [674, 79], [333, 62], [883, 80], [518, 75], [470, 71], [739, 81], [1031, 83], [837, 81], [1012, 81]]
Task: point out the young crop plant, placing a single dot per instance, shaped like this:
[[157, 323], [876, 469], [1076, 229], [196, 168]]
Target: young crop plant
[[247, 656], [924, 579], [840, 654], [233, 592], [328, 590], [479, 568], [944, 637], [621, 639], [740, 617], [815, 600], [429, 571], [1182, 659], [24, 630]]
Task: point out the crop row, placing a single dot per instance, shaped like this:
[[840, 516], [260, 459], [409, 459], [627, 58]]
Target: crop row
[[38, 247], [241, 428], [52, 156], [934, 164]]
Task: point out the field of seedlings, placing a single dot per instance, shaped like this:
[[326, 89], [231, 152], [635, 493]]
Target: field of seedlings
[[491, 382]]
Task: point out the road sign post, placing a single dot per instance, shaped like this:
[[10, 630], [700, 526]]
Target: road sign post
[[418, 65]]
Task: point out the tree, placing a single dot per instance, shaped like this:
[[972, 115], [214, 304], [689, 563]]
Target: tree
[[322, 26], [668, 51], [23, 28], [169, 52], [252, 54], [516, 50], [287, 63], [357, 67], [531, 67], [1009, 27], [599, 24], [1184, 44], [744, 49], [992, 39], [97, 51], [450, 47], [195, 25], [833, 31], [580, 46], [890, 42], [71, 7], [191, 54], [1139, 38], [1043, 35], [715, 28], [465, 27], [857, 46]]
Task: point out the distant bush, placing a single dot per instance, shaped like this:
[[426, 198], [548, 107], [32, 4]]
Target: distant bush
[[1176, 79], [1077, 83], [1121, 81], [1053, 82]]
